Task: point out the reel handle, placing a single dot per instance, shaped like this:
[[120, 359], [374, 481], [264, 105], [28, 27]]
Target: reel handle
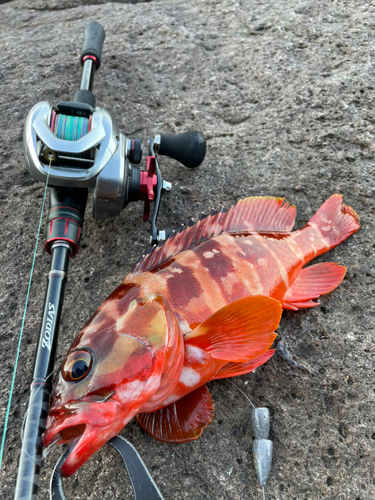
[[188, 148], [93, 40]]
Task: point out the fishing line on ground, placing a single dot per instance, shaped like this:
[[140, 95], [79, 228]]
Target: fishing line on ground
[[22, 325], [241, 392]]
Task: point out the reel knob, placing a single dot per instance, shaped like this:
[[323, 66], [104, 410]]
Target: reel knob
[[188, 148]]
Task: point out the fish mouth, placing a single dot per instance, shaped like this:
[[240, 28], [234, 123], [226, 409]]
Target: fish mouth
[[84, 434], [75, 436]]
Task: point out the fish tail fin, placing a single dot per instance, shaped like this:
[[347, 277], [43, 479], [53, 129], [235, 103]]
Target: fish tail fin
[[335, 221]]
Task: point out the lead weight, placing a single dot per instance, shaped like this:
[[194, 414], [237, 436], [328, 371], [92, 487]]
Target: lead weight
[[262, 453], [260, 422]]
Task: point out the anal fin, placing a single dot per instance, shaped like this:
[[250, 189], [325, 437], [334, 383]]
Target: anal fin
[[235, 369], [239, 331], [182, 421], [312, 282]]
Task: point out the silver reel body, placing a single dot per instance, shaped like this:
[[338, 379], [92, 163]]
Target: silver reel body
[[98, 159]]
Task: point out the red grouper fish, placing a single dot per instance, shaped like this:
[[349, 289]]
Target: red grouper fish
[[203, 305]]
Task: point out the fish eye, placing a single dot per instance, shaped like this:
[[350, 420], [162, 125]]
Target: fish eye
[[77, 366]]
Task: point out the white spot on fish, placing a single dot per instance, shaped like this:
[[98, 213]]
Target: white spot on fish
[[215, 251], [184, 325], [153, 383], [195, 265], [189, 377], [170, 399], [229, 281], [168, 276], [132, 305], [318, 229], [326, 228], [296, 249], [261, 262], [255, 285], [208, 255], [283, 271], [177, 270], [119, 325], [196, 353], [111, 309], [130, 391]]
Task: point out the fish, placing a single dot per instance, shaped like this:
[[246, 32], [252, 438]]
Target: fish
[[203, 305]]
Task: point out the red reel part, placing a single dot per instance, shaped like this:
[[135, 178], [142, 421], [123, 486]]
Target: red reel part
[[147, 186]]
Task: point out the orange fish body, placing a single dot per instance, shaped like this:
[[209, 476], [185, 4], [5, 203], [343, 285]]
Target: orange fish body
[[202, 306]]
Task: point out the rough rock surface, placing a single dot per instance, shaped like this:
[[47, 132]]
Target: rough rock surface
[[284, 93]]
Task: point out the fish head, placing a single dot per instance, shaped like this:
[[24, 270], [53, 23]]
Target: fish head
[[112, 369]]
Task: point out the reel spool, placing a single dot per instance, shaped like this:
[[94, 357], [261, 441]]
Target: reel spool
[[70, 128]]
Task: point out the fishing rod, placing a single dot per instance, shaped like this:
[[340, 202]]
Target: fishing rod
[[73, 147]]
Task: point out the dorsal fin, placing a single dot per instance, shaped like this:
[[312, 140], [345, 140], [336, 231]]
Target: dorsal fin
[[256, 214]]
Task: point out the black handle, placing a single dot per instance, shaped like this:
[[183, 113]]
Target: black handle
[[189, 148], [93, 42]]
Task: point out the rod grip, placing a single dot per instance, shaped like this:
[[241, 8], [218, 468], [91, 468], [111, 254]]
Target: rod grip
[[188, 148], [93, 42]]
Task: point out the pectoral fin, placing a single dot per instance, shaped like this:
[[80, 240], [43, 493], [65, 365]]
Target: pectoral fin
[[240, 331], [182, 421], [312, 282]]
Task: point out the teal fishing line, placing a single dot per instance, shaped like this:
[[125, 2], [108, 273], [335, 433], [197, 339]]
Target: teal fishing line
[[70, 128], [22, 325]]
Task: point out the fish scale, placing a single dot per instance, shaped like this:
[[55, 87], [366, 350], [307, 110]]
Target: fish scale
[[202, 306]]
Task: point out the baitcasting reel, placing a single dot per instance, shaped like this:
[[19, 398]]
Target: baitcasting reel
[[78, 145]]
